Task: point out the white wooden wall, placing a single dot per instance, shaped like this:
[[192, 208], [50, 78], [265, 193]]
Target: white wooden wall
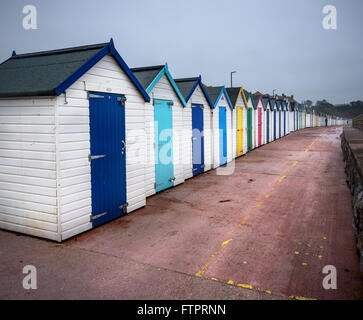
[[163, 90], [28, 176]]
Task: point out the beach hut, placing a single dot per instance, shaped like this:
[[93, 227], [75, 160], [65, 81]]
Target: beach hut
[[69, 161], [250, 123], [222, 125], [238, 100], [268, 117], [308, 117], [288, 115], [197, 123], [164, 165], [274, 118], [259, 109], [313, 118], [278, 117], [283, 116], [271, 116], [301, 111], [304, 117], [291, 110]]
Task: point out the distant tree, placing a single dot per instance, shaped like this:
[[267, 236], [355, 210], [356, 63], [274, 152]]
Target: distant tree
[[321, 102], [308, 103]]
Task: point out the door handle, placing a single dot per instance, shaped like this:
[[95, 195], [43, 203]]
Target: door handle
[[172, 179], [90, 157]]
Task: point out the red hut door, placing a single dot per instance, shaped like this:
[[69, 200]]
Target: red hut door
[[259, 126]]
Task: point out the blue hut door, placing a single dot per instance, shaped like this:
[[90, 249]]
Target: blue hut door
[[197, 139], [267, 126], [164, 166], [107, 157], [223, 135], [275, 124]]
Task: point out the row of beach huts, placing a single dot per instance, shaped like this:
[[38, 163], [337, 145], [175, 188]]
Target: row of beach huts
[[84, 139]]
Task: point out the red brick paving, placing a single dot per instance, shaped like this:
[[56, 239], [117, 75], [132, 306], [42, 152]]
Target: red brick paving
[[156, 251]]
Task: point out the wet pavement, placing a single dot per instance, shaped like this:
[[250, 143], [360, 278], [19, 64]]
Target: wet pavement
[[264, 232]]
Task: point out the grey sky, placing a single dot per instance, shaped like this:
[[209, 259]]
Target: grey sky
[[272, 44]]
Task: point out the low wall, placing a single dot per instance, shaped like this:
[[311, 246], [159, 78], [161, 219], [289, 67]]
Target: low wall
[[352, 145]]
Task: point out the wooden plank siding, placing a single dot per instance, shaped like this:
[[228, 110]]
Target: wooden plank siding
[[28, 186]]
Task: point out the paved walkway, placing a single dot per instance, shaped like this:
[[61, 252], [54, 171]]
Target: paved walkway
[[264, 232]]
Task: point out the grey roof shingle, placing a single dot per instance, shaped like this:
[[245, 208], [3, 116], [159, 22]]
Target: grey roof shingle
[[185, 85], [39, 73], [213, 93], [255, 99], [145, 75], [233, 94]]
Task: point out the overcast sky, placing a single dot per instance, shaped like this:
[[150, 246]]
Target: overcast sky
[[272, 44]]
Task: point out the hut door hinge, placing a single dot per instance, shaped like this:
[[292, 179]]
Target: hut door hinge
[[157, 185], [170, 103], [124, 207], [91, 218], [122, 100]]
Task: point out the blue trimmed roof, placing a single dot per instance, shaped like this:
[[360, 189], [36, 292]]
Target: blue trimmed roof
[[50, 73], [150, 76], [187, 87], [215, 94]]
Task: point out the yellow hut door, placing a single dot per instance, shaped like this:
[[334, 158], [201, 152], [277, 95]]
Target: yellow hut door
[[239, 131]]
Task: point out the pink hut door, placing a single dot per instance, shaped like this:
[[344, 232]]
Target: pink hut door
[[259, 126]]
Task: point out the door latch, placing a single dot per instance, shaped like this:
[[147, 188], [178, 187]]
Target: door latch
[[91, 218], [172, 179]]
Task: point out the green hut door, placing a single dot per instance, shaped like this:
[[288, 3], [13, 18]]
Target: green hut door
[[249, 129]]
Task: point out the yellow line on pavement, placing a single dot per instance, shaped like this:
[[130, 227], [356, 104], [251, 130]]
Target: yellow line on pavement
[[213, 256]]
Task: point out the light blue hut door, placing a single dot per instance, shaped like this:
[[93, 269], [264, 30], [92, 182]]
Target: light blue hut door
[[164, 166], [107, 156], [223, 135], [197, 139]]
